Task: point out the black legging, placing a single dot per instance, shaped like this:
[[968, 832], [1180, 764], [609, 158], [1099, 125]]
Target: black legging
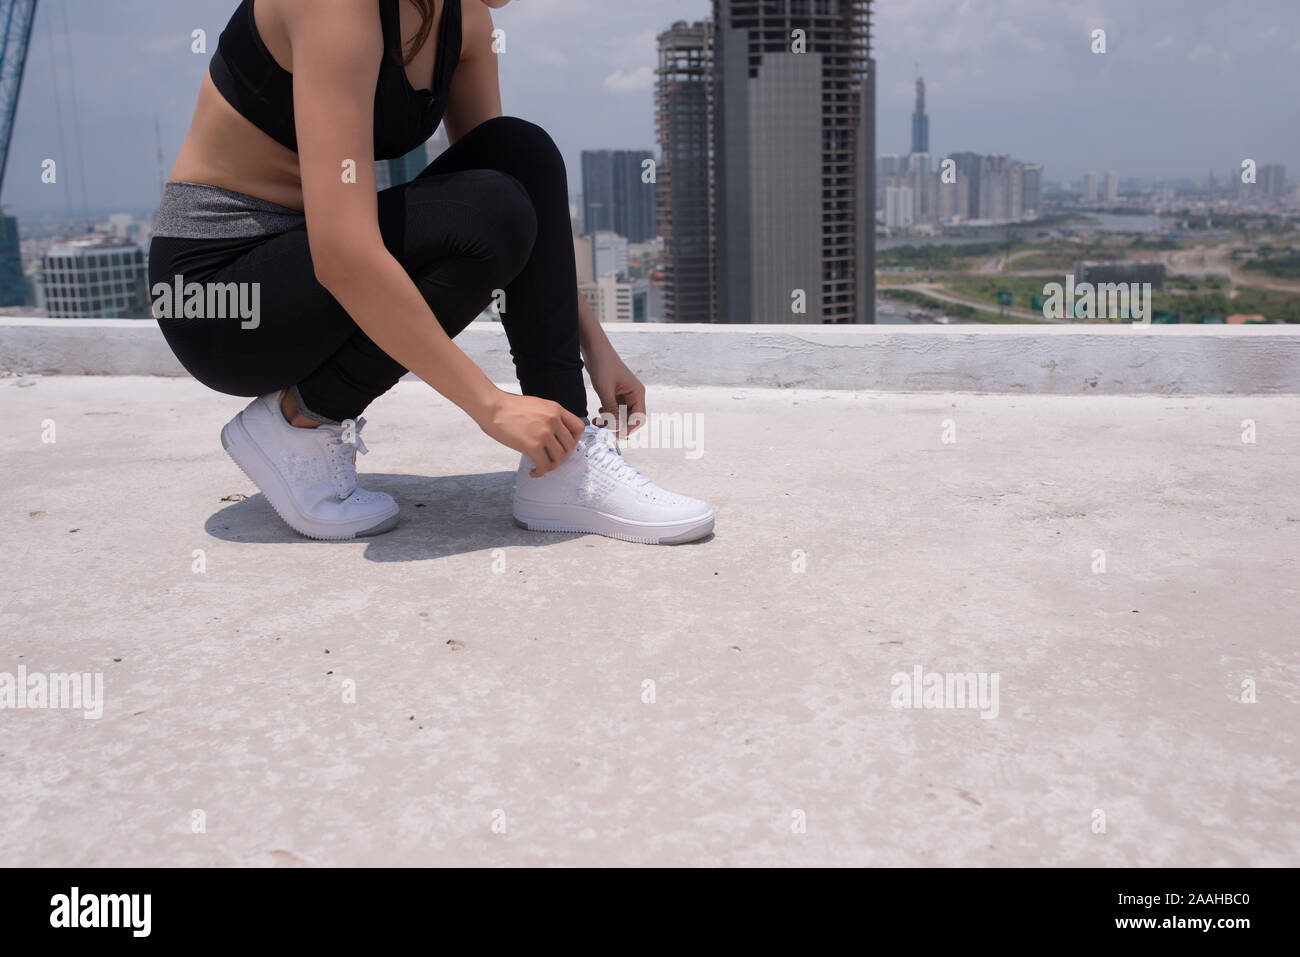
[[492, 212]]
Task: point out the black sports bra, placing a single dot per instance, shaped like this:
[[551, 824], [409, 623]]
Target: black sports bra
[[261, 90]]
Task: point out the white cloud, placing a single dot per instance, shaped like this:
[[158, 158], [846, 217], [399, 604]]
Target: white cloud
[[621, 82]]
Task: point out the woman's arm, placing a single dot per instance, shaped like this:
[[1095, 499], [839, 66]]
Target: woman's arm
[[337, 50], [475, 94], [615, 384]]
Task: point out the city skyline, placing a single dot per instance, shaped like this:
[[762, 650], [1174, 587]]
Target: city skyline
[[1214, 89]]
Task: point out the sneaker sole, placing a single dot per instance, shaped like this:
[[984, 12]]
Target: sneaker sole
[[576, 518], [252, 461]]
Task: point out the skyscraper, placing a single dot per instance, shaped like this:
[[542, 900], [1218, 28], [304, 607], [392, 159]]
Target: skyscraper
[[794, 156], [886, 167], [684, 196], [968, 169], [1272, 180], [952, 199], [1090, 187], [1032, 189], [615, 195], [991, 188], [918, 177], [920, 122], [898, 207], [1112, 187], [995, 192]]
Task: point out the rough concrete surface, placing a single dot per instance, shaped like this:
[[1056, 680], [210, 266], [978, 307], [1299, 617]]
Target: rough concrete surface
[[501, 675]]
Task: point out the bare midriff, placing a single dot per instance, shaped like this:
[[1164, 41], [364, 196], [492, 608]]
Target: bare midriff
[[224, 149]]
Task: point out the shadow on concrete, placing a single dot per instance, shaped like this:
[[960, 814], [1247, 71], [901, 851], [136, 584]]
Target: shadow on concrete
[[440, 516]]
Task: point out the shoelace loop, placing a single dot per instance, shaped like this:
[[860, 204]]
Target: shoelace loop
[[604, 455], [343, 455]]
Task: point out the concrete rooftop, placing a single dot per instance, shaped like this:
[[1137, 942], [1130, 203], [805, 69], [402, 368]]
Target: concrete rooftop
[[500, 674]]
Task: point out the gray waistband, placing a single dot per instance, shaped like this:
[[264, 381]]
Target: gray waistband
[[198, 211]]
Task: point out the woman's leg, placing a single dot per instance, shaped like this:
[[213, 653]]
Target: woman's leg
[[459, 237], [540, 314], [491, 213], [459, 229]]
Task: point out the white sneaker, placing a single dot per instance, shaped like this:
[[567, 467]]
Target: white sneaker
[[308, 475], [596, 490]]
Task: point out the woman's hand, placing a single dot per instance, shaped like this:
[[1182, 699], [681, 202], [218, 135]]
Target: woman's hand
[[543, 430], [616, 386]]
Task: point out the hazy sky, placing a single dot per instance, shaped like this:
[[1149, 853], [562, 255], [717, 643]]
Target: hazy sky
[[1186, 85]]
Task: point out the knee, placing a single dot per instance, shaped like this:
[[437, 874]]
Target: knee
[[508, 224], [529, 142]]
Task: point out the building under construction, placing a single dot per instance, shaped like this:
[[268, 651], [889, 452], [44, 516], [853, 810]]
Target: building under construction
[[793, 127], [684, 196]]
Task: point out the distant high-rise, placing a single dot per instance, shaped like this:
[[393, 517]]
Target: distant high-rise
[[996, 199], [968, 169], [918, 180], [898, 207], [920, 121], [13, 284], [1112, 187], [1272, 180], [608, 254], [615, 195], [403, 169], [979, 187], [684, 198], [406, 168], [1090, 187], [96, 278], [886, 167], [1031, 175], [952, 199], [794, 160], [119, 224], [622, 299]]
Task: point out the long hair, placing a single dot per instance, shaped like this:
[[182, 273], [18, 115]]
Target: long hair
[[421, 35]]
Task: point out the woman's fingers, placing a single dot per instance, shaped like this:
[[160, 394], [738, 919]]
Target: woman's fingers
[[574, 425], [565, 437], [636, 410], [555, 451]]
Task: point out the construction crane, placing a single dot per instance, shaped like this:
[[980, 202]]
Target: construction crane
[[17, 17]]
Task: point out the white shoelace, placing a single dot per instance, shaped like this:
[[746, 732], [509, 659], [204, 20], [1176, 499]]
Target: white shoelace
[[606, 456], [344, 456]]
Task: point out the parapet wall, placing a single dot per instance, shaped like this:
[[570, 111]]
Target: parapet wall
[[1060, 360]]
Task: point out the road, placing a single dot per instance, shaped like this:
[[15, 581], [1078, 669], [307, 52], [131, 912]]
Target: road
[[936, 291]]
